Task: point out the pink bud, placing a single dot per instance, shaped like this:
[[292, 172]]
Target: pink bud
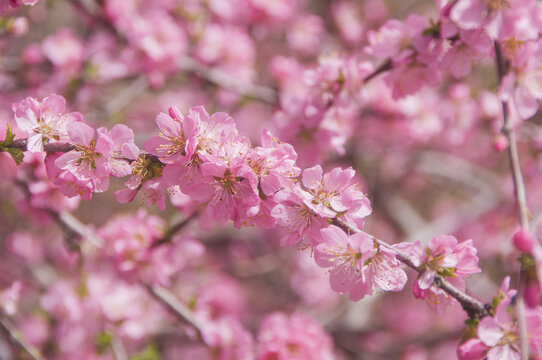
[[524, 241], [472, 349], [500, 143]]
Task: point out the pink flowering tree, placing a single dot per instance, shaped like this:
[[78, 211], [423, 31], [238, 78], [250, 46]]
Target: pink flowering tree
[[266, 180]]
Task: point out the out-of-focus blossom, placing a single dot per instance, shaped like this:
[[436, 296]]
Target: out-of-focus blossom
[[297, 337]]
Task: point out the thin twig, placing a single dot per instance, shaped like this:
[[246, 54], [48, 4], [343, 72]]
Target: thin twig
[[522, 327], [127, 95], [387, 65], [519, 193], [171, 301], [173, 230], [16, 338], [21, 144], [119, 351], [513, 156], [473, 307], [222, 79]]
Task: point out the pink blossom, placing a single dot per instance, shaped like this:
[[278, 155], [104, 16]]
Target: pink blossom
[[274, 165], [174, 142], [473, 45], [292, 213], [9, 298], [230, 338], [306, 34], [336, 194], [394, 37], [521, 87], [6, 5], [64, 49], [472, 349], [209, 132], [123, 150], [443, 256], [89, 160], [69, 184], [500, 334], [358, 264], [229, 184], [297, 337], [348, 18], [44, 121], [129, 237]]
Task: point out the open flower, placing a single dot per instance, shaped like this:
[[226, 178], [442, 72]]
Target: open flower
[[43, 121], [359, 265], [89, 161], [445, 257]]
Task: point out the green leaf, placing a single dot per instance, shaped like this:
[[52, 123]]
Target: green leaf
[[9, 138], [16, 154], [447, 272], [149, 353], [103, 342]]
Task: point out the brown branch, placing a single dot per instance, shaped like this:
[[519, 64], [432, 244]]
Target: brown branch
[[473, 307], [519, 191], [55, 147], [171, 301], [387, 65], [513, 156], [21, 144], [75, 226], [173, 230], [16, 338]]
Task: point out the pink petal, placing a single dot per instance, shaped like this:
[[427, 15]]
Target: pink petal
[[489, 331], [125, 195], [80, 133], [64, 161], [35, 143], [312, 177], [130, 151], [54, 103], [167, 125], [426, 280], [121, 134]]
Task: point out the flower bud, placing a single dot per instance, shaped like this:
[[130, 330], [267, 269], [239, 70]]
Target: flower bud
[[524, 241], [500, 143], [472, 349]]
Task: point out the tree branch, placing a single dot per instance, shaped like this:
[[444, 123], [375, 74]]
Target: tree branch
[[171, 301], [387, 65], [519, 192], [173, 230], [513, 156], [16, 338], [473, 307]]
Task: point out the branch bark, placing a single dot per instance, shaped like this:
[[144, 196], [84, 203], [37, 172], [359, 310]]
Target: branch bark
[[519, 193], [16, 338]]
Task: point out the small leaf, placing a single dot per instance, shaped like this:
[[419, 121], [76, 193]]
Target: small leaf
[[103, 342], [9, 138], [447, 272], [16, 154], [149, 353]]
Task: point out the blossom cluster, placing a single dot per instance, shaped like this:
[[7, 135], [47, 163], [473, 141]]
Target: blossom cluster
[[415, 104], [206, 158]]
